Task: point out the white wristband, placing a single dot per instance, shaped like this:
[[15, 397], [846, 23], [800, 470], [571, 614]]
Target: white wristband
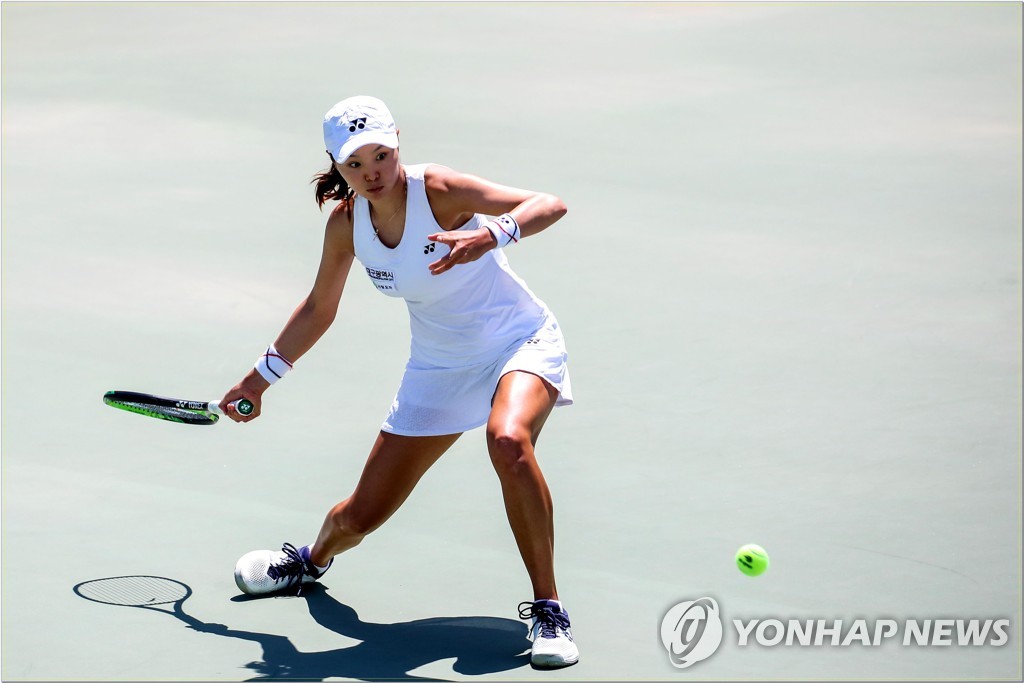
[[505, 230], [272, 366], [492, 228]]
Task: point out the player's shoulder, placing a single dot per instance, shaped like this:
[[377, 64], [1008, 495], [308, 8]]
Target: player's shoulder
[[439, 178], [341, 216], [339, 225]]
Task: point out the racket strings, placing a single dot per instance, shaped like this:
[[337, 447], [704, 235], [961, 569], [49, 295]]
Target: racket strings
[[165, 411], [133, 591]]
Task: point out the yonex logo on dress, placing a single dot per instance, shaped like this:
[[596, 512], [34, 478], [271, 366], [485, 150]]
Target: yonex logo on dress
[[691, 631], [429, 248]]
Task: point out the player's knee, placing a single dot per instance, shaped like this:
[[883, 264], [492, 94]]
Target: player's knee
[[511, 452]]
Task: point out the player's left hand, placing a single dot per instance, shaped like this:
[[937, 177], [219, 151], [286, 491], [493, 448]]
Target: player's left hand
[[465, 245]]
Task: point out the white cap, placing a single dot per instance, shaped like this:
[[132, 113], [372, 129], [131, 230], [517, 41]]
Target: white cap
[[358, 121]]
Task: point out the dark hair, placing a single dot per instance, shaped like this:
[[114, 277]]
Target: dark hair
[[330, 185]]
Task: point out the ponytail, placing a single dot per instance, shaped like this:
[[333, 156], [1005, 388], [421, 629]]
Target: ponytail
[[330, 186]]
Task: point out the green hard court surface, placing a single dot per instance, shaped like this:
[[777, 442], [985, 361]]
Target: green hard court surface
[[789, 279]]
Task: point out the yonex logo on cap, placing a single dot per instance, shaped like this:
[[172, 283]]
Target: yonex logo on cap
[[355, 122]]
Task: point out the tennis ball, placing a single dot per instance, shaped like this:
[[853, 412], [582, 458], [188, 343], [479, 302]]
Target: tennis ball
[[752, 559]]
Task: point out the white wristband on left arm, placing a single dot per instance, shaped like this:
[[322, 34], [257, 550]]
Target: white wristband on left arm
[[505, 230]]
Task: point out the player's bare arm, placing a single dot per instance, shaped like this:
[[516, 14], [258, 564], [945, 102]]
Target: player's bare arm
[[455, 197], [312, 317]]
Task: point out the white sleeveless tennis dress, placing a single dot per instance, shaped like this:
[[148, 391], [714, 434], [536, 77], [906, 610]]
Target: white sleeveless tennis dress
[[470, 325]]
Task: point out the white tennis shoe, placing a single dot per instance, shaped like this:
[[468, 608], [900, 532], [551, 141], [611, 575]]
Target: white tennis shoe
[[269, 571], [551, 634]]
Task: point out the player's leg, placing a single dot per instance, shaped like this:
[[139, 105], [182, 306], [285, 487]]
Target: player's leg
[[522, 403], [395, 465]]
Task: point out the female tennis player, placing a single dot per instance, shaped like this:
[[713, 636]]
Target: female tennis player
[[485, 350]]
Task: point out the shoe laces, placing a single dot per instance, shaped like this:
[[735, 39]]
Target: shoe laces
[[291, 566], [548, 620]]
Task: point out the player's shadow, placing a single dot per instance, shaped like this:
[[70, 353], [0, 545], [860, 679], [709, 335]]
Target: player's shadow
[[479, 645]]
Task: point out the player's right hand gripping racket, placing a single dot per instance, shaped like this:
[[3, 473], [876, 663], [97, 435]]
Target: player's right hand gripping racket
[[173, 409]]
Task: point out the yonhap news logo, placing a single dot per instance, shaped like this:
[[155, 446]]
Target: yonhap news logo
[[864, 632], [693, 630]]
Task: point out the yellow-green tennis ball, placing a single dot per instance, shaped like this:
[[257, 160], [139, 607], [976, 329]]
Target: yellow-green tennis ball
[[752, 559]]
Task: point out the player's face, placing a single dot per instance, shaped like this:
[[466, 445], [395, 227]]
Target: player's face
[[372, 171]]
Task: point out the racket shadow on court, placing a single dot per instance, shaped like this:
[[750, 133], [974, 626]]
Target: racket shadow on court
[[479, 645]]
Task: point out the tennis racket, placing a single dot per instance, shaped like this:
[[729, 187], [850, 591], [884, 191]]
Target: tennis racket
[[147, 592], [173, 409]]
